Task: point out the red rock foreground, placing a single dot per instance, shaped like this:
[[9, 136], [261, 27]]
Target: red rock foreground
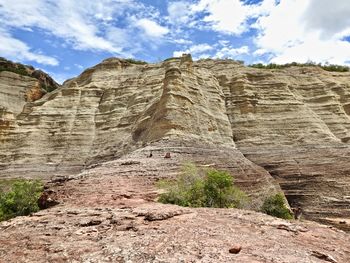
[[108, 214]]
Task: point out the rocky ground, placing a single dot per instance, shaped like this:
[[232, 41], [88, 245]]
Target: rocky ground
[[109, 214]]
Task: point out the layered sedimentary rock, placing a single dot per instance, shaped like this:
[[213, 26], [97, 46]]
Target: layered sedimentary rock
[[285, 127], [20, 84], [294, 123], [117, 107]]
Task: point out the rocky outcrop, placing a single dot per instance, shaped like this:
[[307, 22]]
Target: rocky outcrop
[[20, 84], [284, 128], [108, 214]]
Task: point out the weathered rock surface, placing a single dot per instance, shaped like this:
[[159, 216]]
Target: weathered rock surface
[[295, 123], [20, 84], [270, 128], [108, 214]]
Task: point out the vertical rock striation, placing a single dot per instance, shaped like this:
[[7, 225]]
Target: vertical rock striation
[[270, 128], [294, 123]]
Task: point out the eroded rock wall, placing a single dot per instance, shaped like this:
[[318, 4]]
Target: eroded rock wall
[[20, 84], [285, 127], [116, 107], [294, 123]]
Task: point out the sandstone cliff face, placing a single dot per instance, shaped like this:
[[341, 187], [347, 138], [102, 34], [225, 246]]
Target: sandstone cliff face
[[268, 127], [294, 123], [20, 84]]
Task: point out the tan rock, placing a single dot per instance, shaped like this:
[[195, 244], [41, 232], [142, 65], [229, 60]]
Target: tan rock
[[269, 128], [16, 90]]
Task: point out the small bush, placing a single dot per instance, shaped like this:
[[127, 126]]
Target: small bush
[[202, 188], [21, 199], [134, 61], [275, 206]]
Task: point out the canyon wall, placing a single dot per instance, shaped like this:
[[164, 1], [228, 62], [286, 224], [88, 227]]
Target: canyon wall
[[284, 128], [295, 123]]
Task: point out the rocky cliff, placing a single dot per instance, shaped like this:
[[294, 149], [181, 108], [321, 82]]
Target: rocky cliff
[[285, 128], [20, 84]]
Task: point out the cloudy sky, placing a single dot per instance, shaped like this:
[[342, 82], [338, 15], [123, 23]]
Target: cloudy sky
[[63, 37]]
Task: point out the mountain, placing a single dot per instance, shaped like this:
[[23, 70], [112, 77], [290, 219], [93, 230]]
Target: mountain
[[273, 130]]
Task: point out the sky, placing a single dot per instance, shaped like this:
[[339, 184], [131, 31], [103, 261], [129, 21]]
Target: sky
[[64, 37]]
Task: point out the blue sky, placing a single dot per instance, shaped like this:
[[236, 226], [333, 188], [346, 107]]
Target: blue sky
[[63, 37]]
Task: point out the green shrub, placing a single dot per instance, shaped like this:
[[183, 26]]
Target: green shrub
[[21, 199], [134, 61], [275, 206], [337, 68], [18, 69], [202, 188], [328, 67]]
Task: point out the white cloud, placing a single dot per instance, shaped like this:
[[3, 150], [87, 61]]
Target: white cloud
[[17, 50], [151, 28], [299, 30], [227, 16], [200, 48], [87, 25], [288, 30], [195, 50], [182, 41], [230, 16], [230, 52], [179, 12], [76, 23], [122, 38], [259, 52], [276, 32], [330, 17], [336, 52]]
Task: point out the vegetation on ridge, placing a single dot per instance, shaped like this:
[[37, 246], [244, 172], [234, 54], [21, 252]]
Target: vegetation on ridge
[[134, 61], [46, 83], [15, 68], [327, 67]]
